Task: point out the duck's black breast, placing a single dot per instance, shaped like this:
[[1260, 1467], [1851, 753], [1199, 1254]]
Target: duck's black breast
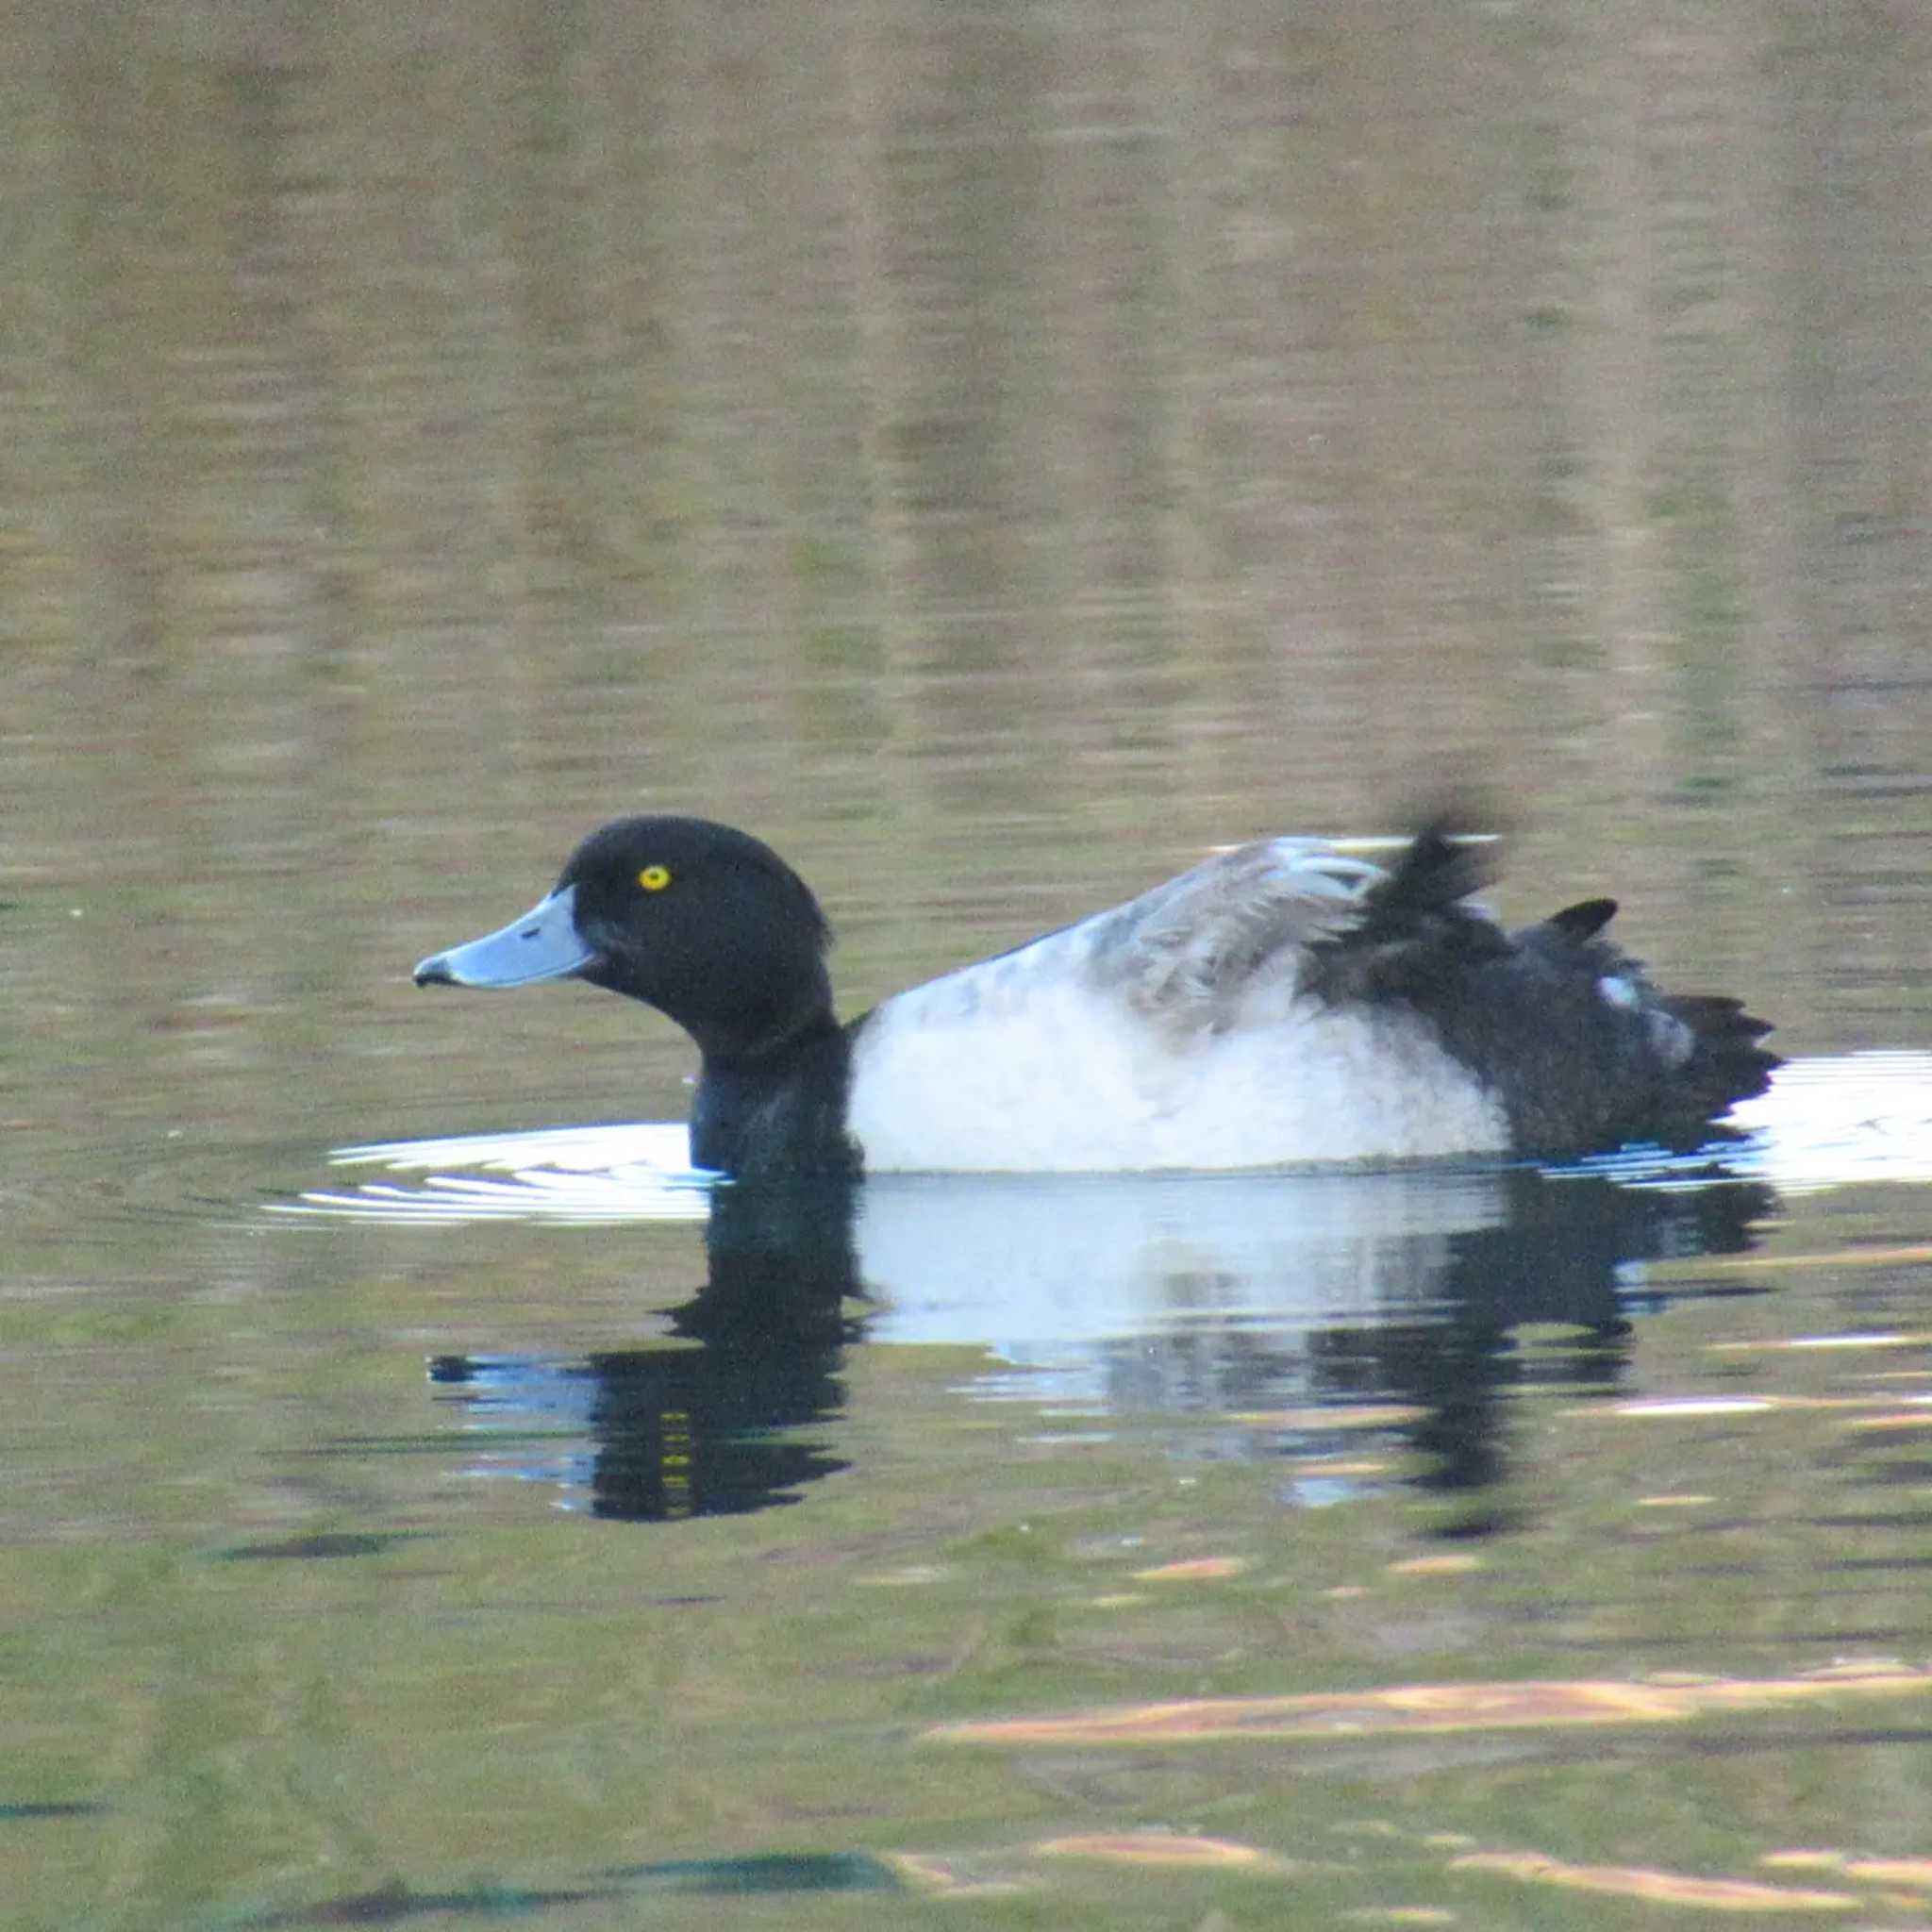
[[782, 1112]]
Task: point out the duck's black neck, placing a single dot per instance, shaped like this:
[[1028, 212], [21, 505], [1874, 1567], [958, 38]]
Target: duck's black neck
[[778, 1110]]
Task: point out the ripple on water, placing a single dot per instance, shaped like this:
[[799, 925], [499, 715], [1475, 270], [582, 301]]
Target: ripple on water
[[1840, 1122]]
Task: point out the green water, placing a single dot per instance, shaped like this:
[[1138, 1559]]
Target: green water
[[995, 455]]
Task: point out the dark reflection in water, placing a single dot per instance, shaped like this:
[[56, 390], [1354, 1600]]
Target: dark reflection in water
[[679, 1431], [1266, 1298], [324, 1546], [775, 1873], [1559, 1258], [395, 1904]]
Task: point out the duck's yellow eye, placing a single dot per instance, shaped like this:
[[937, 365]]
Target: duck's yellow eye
[[654, 878]]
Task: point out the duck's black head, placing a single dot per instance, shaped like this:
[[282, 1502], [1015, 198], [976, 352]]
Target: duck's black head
[[706, 923]]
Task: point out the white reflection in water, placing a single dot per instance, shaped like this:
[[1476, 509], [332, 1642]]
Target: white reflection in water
[[1823, 1122]]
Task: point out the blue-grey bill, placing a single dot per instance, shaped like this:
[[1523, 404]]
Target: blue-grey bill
[[543, 944]]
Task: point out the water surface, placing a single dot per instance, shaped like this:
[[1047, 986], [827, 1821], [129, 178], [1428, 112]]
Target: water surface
[[994, 454]]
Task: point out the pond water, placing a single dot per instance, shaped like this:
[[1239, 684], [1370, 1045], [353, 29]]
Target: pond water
[[997, 454]]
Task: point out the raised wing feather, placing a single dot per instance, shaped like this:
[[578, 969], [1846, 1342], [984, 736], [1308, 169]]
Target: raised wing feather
[[1185, 954]]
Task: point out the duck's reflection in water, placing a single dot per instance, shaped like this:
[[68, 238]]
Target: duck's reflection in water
[[707, 1423], [1252, 1316]]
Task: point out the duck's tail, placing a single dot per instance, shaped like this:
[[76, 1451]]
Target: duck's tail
[[1646, 1064], [1725, 1063], [1567, 1029]]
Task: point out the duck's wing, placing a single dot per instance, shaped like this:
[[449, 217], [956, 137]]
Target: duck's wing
[[1293, 914], [1564, 1028], [1293, 1001], [1212, 1022]]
